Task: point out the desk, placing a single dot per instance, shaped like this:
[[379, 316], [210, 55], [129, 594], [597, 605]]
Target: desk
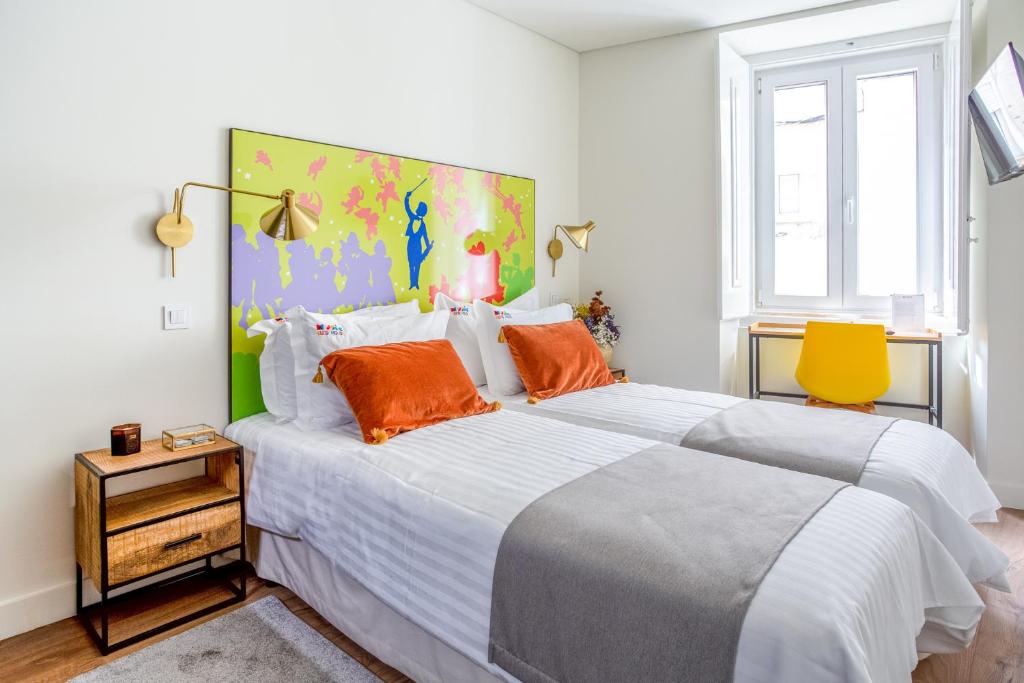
[[931, 338]]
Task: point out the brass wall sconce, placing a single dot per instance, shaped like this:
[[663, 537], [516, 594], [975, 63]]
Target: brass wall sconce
[[579, 235], [286, 220]]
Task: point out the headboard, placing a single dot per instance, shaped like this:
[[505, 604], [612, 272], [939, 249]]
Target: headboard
[[477, 240]]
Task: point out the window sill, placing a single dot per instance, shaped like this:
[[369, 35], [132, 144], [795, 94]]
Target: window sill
[[947, 326]]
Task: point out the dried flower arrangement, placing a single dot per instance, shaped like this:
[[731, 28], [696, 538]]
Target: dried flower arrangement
[[600, 320]]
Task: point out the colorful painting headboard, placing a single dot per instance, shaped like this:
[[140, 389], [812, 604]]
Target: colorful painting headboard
[[476, 239]]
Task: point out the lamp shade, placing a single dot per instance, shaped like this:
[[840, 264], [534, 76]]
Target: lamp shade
[[288, 221], [579, 235]]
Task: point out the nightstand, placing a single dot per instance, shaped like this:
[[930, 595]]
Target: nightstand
[[127, 538], [618, 373]]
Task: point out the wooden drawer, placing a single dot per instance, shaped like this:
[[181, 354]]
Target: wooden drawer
[[158, 546]]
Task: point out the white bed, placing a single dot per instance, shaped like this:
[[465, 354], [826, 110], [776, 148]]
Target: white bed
[[921, 466], [416, 523]]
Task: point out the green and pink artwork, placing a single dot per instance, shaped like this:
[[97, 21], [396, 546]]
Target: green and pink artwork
[[392, 229]]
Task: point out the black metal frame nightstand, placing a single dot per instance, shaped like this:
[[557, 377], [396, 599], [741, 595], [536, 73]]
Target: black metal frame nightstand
[[156, 530]]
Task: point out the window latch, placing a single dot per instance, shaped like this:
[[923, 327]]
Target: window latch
[[850, 207]]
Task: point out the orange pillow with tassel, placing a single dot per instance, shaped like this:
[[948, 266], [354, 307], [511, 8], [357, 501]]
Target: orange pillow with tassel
[[556, 359], [396, 388]]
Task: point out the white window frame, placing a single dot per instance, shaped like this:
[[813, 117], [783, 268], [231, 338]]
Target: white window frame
[[840, 76]]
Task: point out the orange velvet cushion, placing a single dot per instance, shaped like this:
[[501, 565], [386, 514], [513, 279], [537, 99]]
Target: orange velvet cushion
[[556, 359], [396, 388]]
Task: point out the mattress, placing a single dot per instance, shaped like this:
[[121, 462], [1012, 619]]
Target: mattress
[[417, 523], [921, 466]]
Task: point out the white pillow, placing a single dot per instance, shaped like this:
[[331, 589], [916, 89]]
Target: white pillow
[[462, 329], [409, 308], [277, 362], [277, 376], [502, 376], [314, 335]]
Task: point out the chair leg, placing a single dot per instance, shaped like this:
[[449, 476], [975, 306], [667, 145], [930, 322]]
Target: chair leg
[[815, 402]]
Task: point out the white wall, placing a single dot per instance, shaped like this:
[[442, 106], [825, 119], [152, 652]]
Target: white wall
[[107, 106], [1004, 233], [647, 177], [977, 339]]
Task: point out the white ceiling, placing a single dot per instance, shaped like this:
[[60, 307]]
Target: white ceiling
[[591, 24]]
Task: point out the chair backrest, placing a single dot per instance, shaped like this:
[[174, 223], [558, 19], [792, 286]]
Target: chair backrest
[[844, 362]]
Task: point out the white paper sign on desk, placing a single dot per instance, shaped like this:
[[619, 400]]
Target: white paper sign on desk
[[908, 312]]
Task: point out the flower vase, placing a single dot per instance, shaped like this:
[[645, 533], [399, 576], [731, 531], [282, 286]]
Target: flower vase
[[606, 352]]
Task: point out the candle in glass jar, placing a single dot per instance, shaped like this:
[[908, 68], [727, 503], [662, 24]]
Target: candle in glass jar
[[125, 439]]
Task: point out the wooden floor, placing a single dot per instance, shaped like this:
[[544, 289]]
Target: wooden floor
[[62, 650]]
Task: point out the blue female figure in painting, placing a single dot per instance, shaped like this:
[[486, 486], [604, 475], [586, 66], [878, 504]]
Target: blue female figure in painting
[[419, 244]]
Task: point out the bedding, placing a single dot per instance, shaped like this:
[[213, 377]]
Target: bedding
[[462, 328], [834, 443], [314, 335], [500, 369], [277, 362], [915, 463], [556, 359], [418, 521], [397, 388], [677, 544]]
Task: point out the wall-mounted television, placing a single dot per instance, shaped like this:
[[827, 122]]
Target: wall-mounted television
[[997, 108]]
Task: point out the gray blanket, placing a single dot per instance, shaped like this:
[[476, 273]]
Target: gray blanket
[[829, 443], [643, 570]]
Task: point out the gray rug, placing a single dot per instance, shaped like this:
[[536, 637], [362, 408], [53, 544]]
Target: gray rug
[[262, 641]]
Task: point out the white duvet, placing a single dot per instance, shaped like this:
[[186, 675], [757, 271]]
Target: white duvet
[[921, 466], [418, 520]]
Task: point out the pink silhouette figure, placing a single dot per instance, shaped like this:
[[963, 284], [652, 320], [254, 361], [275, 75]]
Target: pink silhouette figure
[[355, 195], [439, 174], [394, 165], [316, 166], [443, 208], [387, 192], [306, 200], [360, 155], [371, 219], [262, 158], [464, 219], [445, 289], [378, 170], [456, 174], [508, 201], [510, 240]]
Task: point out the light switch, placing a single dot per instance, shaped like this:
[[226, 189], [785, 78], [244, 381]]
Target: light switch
[[177, 316]]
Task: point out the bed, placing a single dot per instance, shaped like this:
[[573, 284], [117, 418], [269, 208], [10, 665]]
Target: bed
[[917, 464], [396, 545]]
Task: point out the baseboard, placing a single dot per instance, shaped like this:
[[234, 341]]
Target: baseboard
[[1010, 495], [26, 612]]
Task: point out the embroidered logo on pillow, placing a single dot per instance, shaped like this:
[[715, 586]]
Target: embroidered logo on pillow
[[501, 315], [329, 330], [461, 310]]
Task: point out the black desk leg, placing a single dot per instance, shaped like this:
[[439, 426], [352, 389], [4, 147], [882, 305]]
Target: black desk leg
[[931, 384], [938, 385], [750, 365]]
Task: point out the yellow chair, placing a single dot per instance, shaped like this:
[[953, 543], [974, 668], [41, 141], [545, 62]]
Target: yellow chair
[[844, 365]]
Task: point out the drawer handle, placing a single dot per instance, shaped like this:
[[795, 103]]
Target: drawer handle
[[182, 541]]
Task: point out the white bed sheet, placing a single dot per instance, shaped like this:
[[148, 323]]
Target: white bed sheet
[[417, 521], [922, 467]]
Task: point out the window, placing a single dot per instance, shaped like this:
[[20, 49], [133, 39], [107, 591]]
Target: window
[[848, 182]]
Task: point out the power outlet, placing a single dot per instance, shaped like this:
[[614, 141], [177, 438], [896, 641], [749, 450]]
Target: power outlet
[[555, 299]]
